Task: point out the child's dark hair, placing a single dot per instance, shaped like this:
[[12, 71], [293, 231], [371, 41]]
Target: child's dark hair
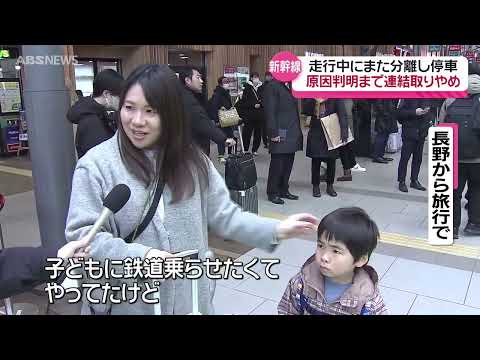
[[352, 227]]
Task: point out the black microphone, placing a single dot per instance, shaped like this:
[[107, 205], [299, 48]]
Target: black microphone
[[113, 202]]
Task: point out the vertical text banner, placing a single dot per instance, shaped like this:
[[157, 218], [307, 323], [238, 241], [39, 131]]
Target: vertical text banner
[[372, 76], [440, 186]]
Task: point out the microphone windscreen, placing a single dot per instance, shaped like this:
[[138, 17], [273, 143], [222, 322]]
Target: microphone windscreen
[[117, 198]]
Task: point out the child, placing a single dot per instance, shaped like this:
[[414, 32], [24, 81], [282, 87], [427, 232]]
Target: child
[[336, 280]]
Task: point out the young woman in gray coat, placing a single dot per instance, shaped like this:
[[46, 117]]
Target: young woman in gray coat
[[153, 143]]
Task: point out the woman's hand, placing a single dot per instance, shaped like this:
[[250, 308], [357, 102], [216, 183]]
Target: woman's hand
[[297, 225], [155, 253]]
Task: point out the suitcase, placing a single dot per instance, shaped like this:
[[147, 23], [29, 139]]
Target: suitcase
[[246, 199], [240, 170], [241, 179], [188, 254]]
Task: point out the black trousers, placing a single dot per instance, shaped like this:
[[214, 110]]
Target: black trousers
[[467, 173], [347, 156], [250, 127], [228, 131], [381, 140], [316, 163], [264, 132], [279, 173], [410, 147]]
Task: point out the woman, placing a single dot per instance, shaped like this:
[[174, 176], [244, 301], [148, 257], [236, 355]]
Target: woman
[[317, 148], [251, 109], [221, 99], [153, 145]]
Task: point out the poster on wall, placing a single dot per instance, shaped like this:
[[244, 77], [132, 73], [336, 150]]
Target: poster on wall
[[230, 73], [236, 77], [243, 75], [11, 137], [10, 98]]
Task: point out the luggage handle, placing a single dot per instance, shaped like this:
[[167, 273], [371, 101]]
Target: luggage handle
[[240, 140]]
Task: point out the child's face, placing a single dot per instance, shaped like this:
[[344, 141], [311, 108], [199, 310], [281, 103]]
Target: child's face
[[335, 260]]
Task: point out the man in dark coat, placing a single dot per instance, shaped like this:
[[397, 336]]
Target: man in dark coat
[[286, 138], [221, 99], [415, 117], [96, 115], [268, 78], [203, 128], [385, 124]]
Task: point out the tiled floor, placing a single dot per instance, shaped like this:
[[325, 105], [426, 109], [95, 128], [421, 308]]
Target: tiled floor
[[408, 287]]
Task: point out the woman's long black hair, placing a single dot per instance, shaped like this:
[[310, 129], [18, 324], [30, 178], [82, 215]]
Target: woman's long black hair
[[178, 160]]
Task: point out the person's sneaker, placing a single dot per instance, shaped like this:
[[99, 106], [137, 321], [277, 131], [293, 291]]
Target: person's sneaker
[[358, 168], [222, 159], [402, 186], [316, 191], [455, 233], [472, 229], [386, 158]]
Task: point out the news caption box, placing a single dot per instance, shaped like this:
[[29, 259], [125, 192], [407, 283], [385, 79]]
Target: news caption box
[[441, 184], [372, 76]]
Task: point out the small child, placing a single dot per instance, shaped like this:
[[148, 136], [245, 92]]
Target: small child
[[337, 280]]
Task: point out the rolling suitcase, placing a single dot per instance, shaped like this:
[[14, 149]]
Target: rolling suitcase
[[241, 179], [192, 255]]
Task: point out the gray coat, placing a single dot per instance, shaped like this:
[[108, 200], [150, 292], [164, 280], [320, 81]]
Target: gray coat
[[185, 226], [281, 115]]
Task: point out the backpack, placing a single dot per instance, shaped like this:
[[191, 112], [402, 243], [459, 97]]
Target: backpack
[[466, 113]]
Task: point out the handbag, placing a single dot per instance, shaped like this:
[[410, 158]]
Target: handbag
[[229, 117], [332, 131]]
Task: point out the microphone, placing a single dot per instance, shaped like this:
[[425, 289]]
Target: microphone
[[113, 202]]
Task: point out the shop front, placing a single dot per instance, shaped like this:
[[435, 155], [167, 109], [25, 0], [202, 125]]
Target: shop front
[[13, 131]]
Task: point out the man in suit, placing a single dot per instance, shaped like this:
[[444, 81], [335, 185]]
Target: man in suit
[[286, 138]]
